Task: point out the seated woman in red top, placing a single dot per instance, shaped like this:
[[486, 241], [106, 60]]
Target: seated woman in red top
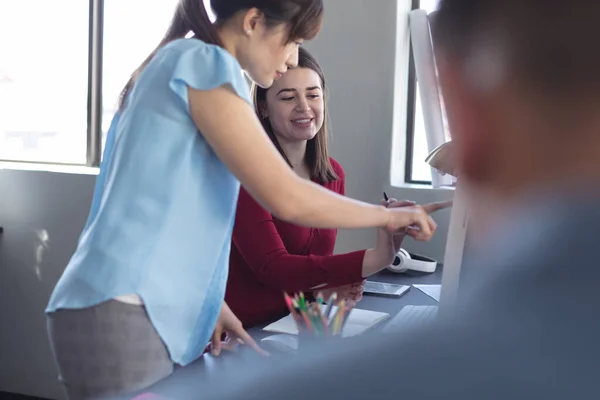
[[269, 256]]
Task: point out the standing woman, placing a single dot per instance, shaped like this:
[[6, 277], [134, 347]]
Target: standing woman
[[144, 290]]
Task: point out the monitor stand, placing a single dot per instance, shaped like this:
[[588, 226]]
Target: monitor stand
[[453, 256]]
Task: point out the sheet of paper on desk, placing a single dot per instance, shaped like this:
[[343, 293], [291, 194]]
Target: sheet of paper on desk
[[432, 291], [358, 322]]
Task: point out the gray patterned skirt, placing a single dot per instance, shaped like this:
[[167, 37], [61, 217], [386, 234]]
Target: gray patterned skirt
[[105, 350]]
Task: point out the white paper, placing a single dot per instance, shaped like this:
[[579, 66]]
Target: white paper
[[432, 291], [358, 322]]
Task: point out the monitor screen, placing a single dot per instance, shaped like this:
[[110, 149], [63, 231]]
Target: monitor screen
[[431, 102]]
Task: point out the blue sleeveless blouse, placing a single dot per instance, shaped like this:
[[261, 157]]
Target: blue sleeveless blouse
[[164, 205]]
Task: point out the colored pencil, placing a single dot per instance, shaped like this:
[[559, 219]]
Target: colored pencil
[[292, 308], [311, 318], [316, 320], [349, 308], [330, 302], [302, 301], [337, 318], [297, 303], [320, 299]]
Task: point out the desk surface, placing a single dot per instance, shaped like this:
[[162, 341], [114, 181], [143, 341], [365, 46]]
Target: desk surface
[[208, 365]]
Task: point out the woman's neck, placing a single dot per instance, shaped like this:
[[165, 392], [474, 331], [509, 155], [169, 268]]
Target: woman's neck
[[228, 39], [296, 154]]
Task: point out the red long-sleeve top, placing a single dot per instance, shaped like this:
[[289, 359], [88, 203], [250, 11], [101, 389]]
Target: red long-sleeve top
[[270, 256]]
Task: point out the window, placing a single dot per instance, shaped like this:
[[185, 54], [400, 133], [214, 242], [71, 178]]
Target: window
[[418, 171], [47, 93], [43, 80], [127, 41]]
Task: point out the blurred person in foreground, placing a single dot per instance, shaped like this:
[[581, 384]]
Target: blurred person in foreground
[[522, 90]]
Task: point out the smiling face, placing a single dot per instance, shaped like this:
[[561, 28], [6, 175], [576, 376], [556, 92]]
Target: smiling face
[[295, 106]]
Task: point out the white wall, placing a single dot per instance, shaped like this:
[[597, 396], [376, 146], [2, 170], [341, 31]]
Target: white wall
[[32, 203], [356, 50]]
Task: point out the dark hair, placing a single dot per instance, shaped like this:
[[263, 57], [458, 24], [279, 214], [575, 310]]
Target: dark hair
[[548, 45], [317, 155], [303, 16]]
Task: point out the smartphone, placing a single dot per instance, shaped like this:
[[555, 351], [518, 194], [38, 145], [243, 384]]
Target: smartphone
[[386, 289]]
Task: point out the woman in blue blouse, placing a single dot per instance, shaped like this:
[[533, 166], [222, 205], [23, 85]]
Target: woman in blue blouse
[[144, 290]]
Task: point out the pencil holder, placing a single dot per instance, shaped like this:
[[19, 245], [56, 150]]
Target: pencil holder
[[318, 321]]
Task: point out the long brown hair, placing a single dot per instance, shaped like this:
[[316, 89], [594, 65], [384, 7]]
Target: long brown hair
[[303, 16], [317, 155]]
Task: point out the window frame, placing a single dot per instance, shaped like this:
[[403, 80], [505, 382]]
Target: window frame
[[411, 104], [94, 94], [95, 68], [94, 146], [94, 99]]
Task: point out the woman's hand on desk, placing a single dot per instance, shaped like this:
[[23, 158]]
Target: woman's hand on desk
[[352, 292], [231, 326], [355, 291]]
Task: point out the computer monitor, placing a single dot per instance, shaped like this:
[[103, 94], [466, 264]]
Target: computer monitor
[[456, 242], [421, 25], [429, 93]]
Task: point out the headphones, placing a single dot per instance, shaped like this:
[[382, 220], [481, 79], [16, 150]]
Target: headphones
[[405, 261]]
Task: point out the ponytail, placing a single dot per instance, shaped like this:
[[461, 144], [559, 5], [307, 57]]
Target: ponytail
[[303, 16], [190, 16], [200, 24]]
